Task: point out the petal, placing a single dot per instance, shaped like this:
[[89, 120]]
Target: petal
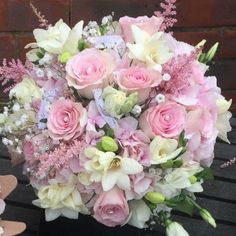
[[130, 166], [109, 179], [140, 36], [52, 214], [71, 214], [123, 181]]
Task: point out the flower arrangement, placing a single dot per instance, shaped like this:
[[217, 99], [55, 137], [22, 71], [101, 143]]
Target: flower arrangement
[[116, 120], [8, 228]]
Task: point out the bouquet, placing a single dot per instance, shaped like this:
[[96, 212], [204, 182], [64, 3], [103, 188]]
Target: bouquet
[[115, 120], [8, 228]]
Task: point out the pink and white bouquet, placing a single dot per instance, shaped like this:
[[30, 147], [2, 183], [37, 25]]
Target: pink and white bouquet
[[116, 120]]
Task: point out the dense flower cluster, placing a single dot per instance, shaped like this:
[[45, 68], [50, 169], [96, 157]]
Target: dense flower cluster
[[117, 120]]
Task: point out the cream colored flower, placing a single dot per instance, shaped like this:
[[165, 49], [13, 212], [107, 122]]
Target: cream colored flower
[[162, 150], [222, 123], [152, 50], [60, 199], [110, 169], [58, 38], [26, 91], [176, 229]]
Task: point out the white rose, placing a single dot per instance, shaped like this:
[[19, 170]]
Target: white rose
[[222, 123], [176, 229], [60, 199], [26, 91], [162, 150], [140, 213]]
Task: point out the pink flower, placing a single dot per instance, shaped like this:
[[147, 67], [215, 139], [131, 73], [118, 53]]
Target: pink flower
[[166, 119], [66, 120], [149, 24], [138, 79], [88, 70], [111, 208]]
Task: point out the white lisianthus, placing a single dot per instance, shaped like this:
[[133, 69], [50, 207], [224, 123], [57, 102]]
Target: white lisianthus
[[26, 91], [140, 213], [57, 39], [110, 169], [222, 123], [152, 50], [59, 199], [176, 229], [162, 150]]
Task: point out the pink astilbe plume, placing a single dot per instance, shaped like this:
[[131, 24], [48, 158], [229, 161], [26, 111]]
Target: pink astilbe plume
[[180, 70], [41, 18], [11, 73], [168, 14], [60, 156]]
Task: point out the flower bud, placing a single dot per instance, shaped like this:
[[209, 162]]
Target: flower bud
[[155, 198], [109, 144], [64, 57], [205, 214], [175, 229], [211, 53], [192, 179]]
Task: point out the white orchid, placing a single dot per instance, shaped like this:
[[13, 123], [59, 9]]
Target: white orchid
[[162, 150], [153, 50], [57, 39], [110, 169], [222, 123]]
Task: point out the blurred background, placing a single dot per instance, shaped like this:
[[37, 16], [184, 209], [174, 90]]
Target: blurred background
[[213, 20]]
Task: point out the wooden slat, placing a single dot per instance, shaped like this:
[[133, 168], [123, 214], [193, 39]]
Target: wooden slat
[[220, 189], [6, 168], [197, 227], [228, 173], [29, 216], [225, 151]]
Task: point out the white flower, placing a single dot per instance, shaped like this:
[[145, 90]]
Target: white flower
[[176, 229], [162, 150], [160, 98], [222, 123], [152, 50], [1, 231], [140, 213], [111, 169], [56, 39], [59, 199], [26, 91]]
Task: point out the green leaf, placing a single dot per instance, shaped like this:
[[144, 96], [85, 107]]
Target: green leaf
[[39, 54], [110, 133], [82, 45], [206, 174], [182, 140]]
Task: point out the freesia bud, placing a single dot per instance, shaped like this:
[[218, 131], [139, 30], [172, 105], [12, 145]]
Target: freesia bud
[[176, 229], [65, 57], [192, 179], [211, 53], [109, 144], [154, 197], [205, 214]]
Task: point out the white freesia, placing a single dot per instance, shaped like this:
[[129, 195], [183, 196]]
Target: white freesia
[[57, 39], [176, 229], [162, 150], [111, 169], [152, 50], [140, 213], [26, 91], [222, 123], [59, 199]]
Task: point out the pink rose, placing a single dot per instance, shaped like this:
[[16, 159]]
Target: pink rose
[[166, 119], [149, 24], [66, 120], [111, 208], [88, 70], [138, 79]]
